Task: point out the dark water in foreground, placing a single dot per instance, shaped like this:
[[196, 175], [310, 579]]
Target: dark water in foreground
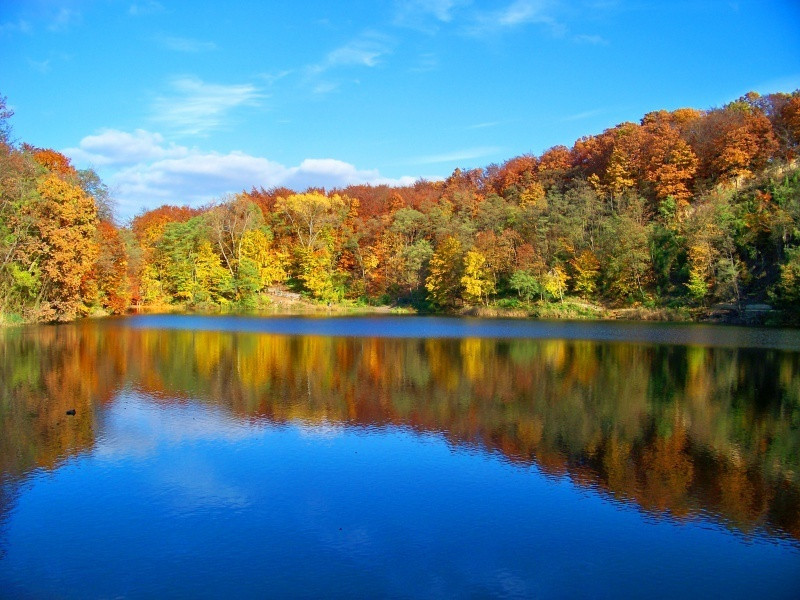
[[400, 457]]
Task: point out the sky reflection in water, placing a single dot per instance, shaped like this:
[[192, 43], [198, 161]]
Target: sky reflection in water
[[203, 463]]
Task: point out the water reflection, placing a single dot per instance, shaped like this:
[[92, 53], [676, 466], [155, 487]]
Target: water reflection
[[674, 430]]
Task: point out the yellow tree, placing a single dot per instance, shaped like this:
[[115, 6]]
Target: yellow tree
[[211, 279], [317, 273], [228, 223], [555, 282], [309, 215], [476, 281], [444, 280], [66, 220], [587, 271], [269, 264]]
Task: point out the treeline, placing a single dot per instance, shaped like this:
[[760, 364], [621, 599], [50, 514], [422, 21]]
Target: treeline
[[684, 209], [60, 253]]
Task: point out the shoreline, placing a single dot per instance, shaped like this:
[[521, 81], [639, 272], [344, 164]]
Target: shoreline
[[754, 315]]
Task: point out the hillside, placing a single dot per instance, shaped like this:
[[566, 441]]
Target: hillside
[[685, 210]]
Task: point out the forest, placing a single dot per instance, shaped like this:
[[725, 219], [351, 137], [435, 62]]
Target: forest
[[685, 210]]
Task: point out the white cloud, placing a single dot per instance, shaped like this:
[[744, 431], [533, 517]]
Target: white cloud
[[594, 40], [272, 78], [457, 155], [424, 15], [425, 62], [42, 66], [144, 171], [63, 19], [188, 45], [147, 7], [521, 11], [517, 14], [584, 115], [120, 148], [363, 51], [330, 173], [138, 423], [325, 87], [367, 50], [193, 179], [196, 107], [357, 53], [485, 125], [12, 26]]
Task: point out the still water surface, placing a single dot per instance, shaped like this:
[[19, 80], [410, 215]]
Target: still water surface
[[398, 457]]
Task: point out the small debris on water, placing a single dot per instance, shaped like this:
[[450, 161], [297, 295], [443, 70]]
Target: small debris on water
[[71, 412]]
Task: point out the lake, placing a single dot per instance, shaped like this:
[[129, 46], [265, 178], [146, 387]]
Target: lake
[[398, 457]]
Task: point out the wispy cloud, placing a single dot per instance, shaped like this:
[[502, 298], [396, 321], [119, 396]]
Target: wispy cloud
[[485, 125], [51, 16], [522, 11], [364, 51], [517, 14], [426, 62], [63, 19], [457, 155], [583, 115], [195, 107], [182, 44], [325, 87], [594, 40], [12, 26], [272, 78], [42, 66], [425, 15], [145, 7]]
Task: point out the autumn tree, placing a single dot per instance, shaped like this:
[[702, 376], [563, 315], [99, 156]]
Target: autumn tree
[[310, 215], [788, 287], [229, 223], [64, 248], [476, 281], [587, 271], [626, 262], [446, 268], [111, 269]]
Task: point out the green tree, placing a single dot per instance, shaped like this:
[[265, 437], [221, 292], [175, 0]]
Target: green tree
[[788, 287], [627, 266], [211, 280], [526, 284]]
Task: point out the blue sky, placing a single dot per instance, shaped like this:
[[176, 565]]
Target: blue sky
[[181, 102]]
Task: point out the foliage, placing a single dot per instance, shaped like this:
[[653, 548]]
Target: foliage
[[444, 281], [475, 281], [684, 208]]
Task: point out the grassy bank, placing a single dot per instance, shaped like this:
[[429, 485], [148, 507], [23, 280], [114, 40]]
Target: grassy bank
[[570, 309], [578, 310]]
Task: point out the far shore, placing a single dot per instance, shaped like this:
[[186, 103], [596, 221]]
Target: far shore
[[750, 314]]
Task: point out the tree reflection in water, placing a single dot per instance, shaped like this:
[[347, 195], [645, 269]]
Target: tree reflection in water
[[678, 430]]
